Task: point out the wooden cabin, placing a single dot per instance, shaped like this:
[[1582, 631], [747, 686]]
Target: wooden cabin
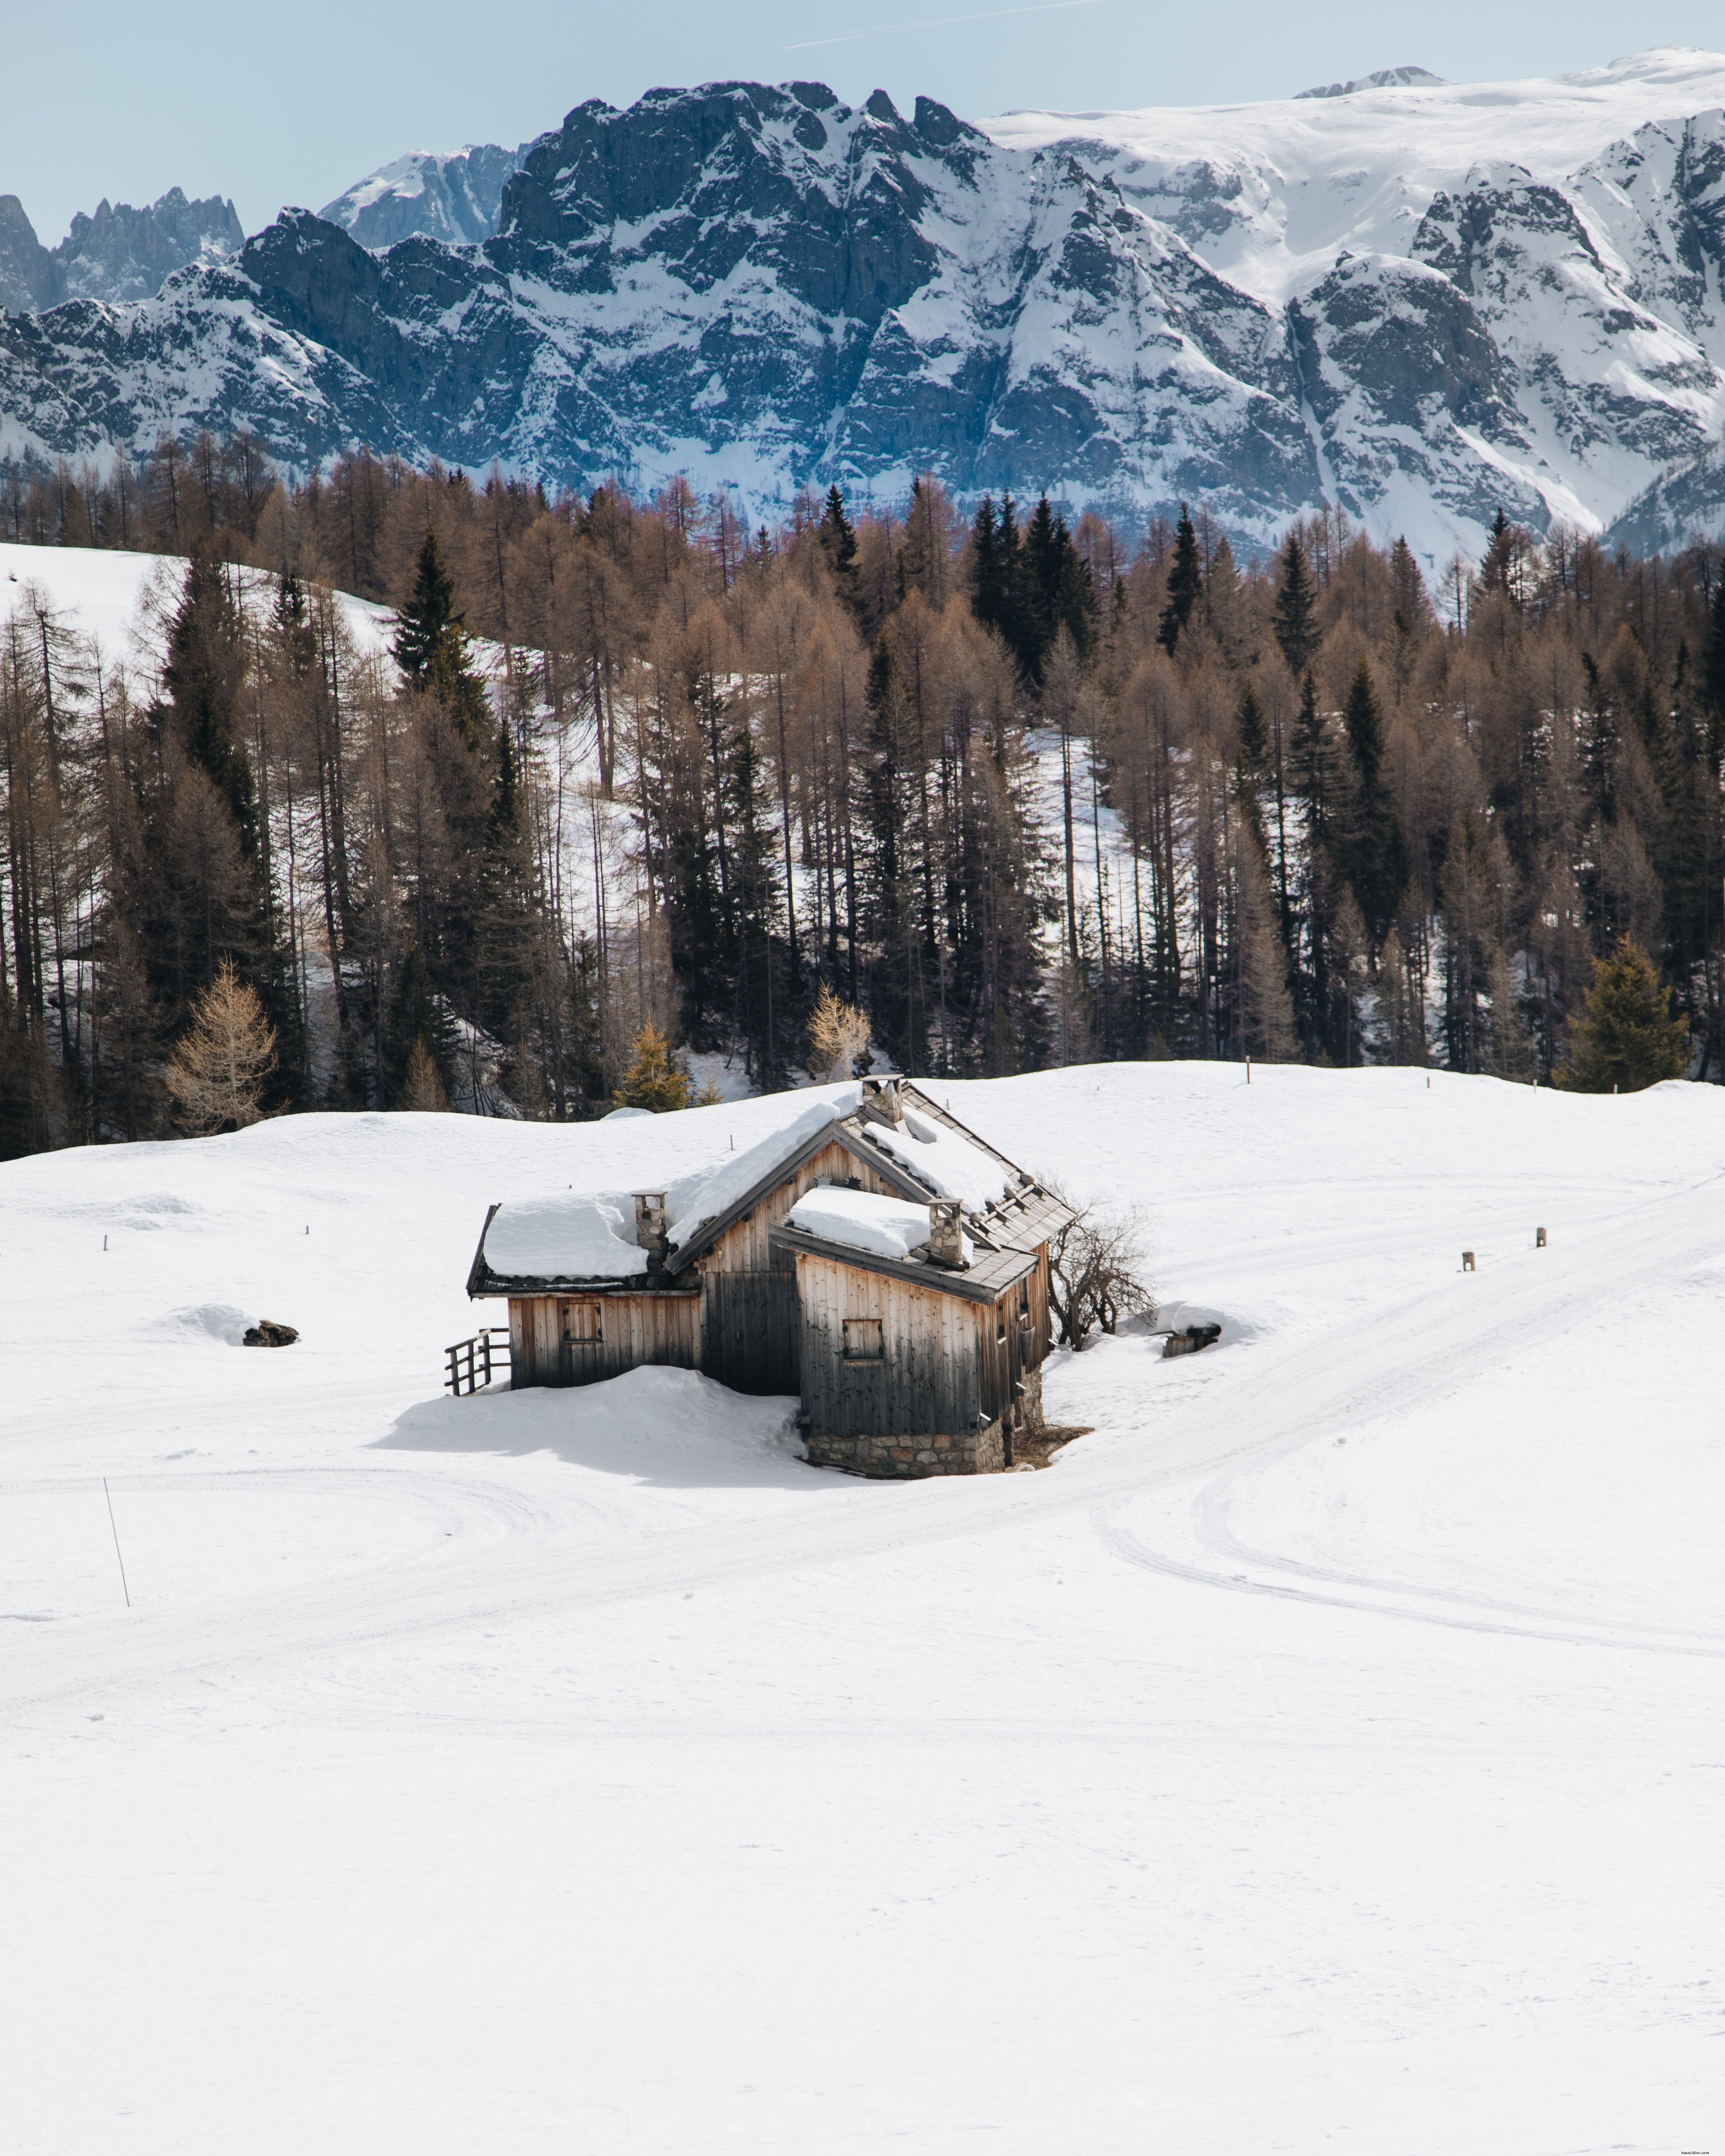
[[872, 1255]]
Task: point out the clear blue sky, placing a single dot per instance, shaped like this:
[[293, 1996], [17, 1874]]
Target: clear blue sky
[[288, 104]]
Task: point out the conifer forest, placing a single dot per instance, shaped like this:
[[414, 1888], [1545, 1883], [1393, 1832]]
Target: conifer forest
[[1022, 794]]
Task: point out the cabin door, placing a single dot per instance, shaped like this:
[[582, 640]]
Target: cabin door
[[582, 1351]]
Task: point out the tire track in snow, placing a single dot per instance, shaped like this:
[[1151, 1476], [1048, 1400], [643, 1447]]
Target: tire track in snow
[[559, 1574], [1543, 1300]]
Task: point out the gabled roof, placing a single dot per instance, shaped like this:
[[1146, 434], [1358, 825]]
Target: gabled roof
[[520, 1252]]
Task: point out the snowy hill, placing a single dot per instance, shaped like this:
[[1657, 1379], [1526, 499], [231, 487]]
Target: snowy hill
[[1322, 1754], [1421, 300]]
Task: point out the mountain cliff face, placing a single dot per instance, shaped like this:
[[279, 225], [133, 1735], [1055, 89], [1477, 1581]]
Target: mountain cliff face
[[120, 253], [456, 197], [1363, 298]]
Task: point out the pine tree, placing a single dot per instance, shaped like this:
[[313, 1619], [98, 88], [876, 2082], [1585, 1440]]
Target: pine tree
[[654, 1080], [1185, 585], [838, 1034], [1254, 738], [219, 1069], [838, 541], [429, 616], [1374, 858], [204, 675], [1625, 1038], [886, 799], [990, 570], [1294, 618], [416, 1015], [1712, 677], [431, 645], [1509, 1049], [422, 1091]]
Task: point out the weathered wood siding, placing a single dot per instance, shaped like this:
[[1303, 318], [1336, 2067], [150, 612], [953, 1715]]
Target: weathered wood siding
[[1017, 1342], [750, 1326], [930, 1377], [551, 1338]]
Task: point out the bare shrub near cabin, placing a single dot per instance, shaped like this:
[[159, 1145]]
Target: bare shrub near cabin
[[219, 1069], [1096, 1273]]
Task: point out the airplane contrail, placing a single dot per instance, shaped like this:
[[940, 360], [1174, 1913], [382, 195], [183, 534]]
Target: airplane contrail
[[940, 22]]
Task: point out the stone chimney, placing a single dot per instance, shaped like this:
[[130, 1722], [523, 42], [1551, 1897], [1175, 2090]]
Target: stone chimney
[[946, 1232], [881, 1101], [649, 1224]]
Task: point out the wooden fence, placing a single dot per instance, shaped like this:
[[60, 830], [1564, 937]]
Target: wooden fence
[[471, 1361]]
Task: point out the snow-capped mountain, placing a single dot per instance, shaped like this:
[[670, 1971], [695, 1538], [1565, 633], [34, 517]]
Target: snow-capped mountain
[[119, 253], [1422, 299], [454, 197]]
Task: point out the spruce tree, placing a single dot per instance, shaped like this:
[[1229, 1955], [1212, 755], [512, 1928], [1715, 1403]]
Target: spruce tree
[[1254, 738], [1294, 618], [1626, 1038], [1374, 859], [989, 588], [1712, 675], [428, 615], [431, 646], [416, 1015], [838, 541], [204, 675], [655, 1081], [1185, 585]]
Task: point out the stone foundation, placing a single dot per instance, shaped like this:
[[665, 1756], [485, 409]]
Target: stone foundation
[[986, 1451], [907, 1459]]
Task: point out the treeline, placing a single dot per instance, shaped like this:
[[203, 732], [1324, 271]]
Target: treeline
[[1024, 793]]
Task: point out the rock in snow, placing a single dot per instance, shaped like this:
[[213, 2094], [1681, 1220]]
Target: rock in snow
[[1420, 300]]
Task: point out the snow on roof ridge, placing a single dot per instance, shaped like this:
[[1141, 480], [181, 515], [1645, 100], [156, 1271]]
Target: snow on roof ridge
[[695, 1200]]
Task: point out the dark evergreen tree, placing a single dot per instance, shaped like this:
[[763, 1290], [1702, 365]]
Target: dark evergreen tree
[[1712, 677], [1254, 738], [1294, 618], [415, 1013], [1185, 585], [431, 646], [991, 586], [838, 541], [204, 675], [1373, 855], [900, 1015]]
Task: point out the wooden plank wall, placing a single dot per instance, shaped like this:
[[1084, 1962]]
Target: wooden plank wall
[[663, 1328], [932, 1376], [750, 1325]]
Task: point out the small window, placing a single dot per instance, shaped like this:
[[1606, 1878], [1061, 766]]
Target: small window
[[864, 1340], [584, 1324]]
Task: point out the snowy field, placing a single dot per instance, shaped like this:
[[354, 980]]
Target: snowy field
[[1326, 1755]]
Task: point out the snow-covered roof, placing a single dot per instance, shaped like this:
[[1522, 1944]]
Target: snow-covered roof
[[886, 1227], [589, 1236], [950, 1165], [695, 1200], [578, 1236]]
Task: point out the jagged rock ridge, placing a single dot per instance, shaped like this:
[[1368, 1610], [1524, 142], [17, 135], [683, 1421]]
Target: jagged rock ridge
[[120, 253], [761, 286]]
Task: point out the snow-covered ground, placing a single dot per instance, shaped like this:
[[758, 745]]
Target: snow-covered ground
[[1325, 1755], [1317, 174], [119, 599]]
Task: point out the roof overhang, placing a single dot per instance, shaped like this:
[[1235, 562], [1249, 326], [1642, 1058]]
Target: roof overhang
[[976, 1284]]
